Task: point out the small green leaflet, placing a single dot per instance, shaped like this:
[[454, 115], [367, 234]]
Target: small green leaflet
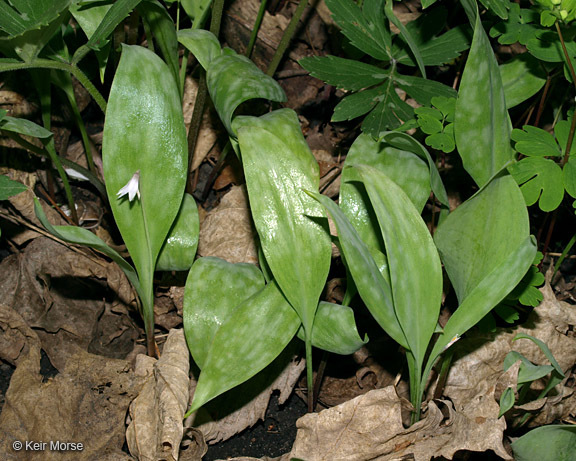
[[9, 187], [540, 180], [518, 28]]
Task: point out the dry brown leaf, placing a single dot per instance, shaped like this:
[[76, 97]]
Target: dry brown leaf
[[62, 293], [86, 403], [227, 231], [156, 426], [369, 427], [478, 367], [255, 410]]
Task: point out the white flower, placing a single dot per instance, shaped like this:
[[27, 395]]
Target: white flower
[[131, 188]]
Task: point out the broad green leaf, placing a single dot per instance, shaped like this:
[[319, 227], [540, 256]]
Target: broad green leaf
[[423, 90], [164, 33], [544, 348], [406, 142], [546, 46], [144, 132], [335, 330], [81, 236], [482, 125], [546, 443], [534, 141], [507, 400], [406, 35], [486, 250], [179, 249], [390, 112], [203, 44], [529, 372], [405, 168], [540, 180], [522, 77], [30, 25], [409, 249], [25, 127], [233, 79], [214, 288], [292, 226], [344, 73], [250, 338], [357, 104], [9, 187], [562, 132], [366, 30], [372, 286]]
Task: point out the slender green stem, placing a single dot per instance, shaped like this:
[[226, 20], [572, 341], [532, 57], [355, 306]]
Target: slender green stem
[[414, 370], [309, 374], [573, 75], [39, 63], [286, 38], [564, 253], [256, 28]]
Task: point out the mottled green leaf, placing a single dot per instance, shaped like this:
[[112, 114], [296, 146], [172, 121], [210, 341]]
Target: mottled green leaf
[[233, 79], [292, 226], [486, 250], [522, 77], [344, 73], [534, 141], [250, 338], [9, 187], [335, 330], [144, 132], [540, 180], [203, 44], [482, 126], [546, 443], [405, 168], [179, 249], [214, 288], [409, 249], [372, 286]]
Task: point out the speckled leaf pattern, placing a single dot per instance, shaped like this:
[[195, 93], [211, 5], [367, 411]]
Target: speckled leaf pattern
[[486, 250], [215, 287], [292, 226], [482, 126], [179, 249], [373, 287], [410, 250], [335, 330], [406, 169], [233, 79], [234, 355], [144, 131], [203, 44]]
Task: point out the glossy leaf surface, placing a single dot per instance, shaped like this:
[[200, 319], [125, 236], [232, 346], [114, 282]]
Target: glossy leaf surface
[[179, 249], [522, 78], [405, 168], [292, 226], [335, 330], [203, 44], [250, 338], [409, 249], [233, 79], [25, 127], [214, 288], [482, 125], [374, 289], [144, 132]]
